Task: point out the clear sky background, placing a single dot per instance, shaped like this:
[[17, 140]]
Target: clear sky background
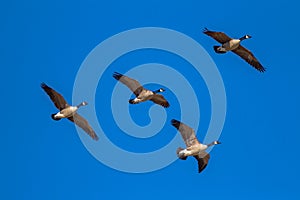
[[46, 41]]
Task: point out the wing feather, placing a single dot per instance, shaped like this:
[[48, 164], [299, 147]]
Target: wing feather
[[218, 36], [202, 159], [249, 58], [83, 123], [187, 133], [160, 100], [132, 84], [55, 97]]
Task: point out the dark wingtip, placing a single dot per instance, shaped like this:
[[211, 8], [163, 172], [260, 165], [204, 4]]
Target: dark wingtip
[[175, 123], [205, 30], [117, 75], [258, 67], [96, 138], [201, 169], [43, 85], [262, 70], [166, 105]]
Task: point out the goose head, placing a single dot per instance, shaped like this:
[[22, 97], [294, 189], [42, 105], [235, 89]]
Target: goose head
[[214, 143], [84, 103], [245, 37], [159, 90]]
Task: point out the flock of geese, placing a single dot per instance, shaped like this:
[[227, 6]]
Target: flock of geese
[[193, 146]]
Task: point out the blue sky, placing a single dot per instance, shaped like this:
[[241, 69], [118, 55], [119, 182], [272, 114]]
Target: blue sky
[[48, 41]]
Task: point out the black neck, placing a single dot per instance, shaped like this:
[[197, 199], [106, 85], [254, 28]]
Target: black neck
[[243, 38], [81, 104], [211, 144]]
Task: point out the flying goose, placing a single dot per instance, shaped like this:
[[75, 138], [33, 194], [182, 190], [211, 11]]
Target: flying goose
[[229, 44], [194, 147], [67, 111], [141, 93]]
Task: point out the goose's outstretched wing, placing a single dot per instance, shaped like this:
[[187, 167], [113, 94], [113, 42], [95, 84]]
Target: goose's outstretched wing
[[132, 84], [249, 58], [83, 123], [187, 133], [202, 159], [160, 100], [56, 98], [218, 36]]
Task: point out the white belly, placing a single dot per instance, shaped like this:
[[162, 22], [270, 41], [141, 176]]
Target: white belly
[[185, 152], [193, 150], [65, 113]]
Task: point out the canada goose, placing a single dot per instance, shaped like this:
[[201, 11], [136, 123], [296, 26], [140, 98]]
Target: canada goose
[[67, 111], [229, 44], [140, 92], [194, 147]]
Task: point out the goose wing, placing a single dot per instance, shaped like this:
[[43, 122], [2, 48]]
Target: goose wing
[[83, 123], [187, 133], [202, 159], [248, 57], [55, 97], [132, 84], [160, 100], [218, 36]]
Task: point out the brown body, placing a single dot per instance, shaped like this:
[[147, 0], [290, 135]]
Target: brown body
[[67, 111], [141, 93], [229, 44], [194, 147]]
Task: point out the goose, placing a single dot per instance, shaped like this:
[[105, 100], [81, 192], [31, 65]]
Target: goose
[[229, 44], [67, 111], [141, 93], [194, 147]]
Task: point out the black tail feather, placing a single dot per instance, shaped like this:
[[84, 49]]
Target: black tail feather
[[131, 101], [56, 119], [180, 156], [117, 75]]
